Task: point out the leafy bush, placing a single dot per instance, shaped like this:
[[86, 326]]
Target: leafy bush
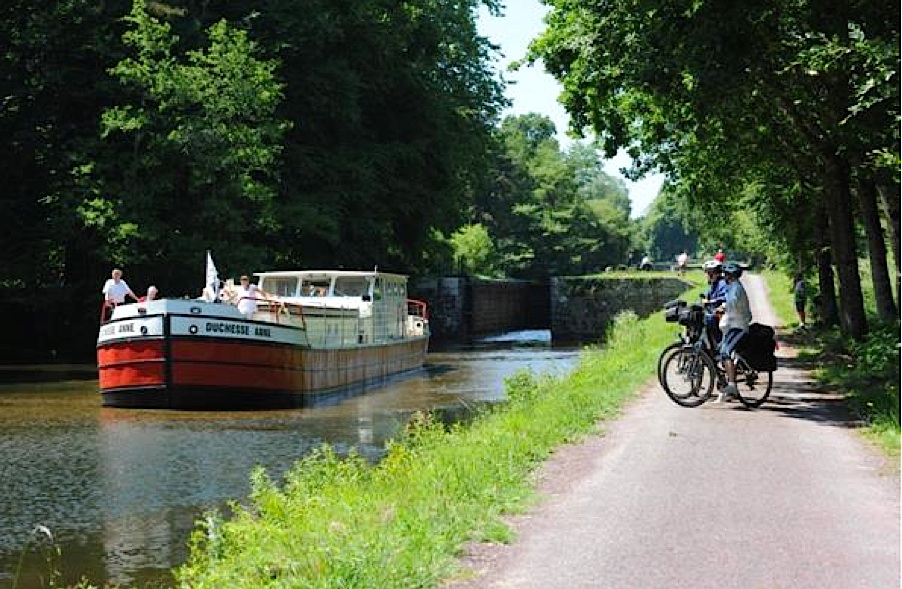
[[873, 379]]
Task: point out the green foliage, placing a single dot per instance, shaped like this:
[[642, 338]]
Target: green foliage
[[349, 133], [473, 249], [866, 371], [203, 125], [663, 231], [759, 136], [551, 212], [401, 523]]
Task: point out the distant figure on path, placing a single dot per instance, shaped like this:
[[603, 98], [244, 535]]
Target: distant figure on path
[[720, 256], [645, 264], [115, 289], [682, 260]]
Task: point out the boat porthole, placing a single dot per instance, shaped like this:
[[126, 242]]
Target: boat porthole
[[143, 330], [192, 330], [195, 310]]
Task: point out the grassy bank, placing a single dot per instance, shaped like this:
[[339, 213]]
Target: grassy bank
[[867, 371], [340, 522]]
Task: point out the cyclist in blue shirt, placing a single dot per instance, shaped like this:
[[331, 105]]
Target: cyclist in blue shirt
[[714, 297]]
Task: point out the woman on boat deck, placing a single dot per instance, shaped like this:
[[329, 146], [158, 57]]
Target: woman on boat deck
[[151, 295], [246, 294], [115, 289]]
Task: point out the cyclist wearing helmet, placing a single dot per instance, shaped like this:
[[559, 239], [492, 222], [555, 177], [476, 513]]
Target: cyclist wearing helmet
[[714, 297], [734, 324], [717, 286]]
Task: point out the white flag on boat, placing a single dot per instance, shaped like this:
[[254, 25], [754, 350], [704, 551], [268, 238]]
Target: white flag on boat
[[212, 284]]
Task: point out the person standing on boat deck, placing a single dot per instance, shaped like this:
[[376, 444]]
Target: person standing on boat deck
[[115, 289], [246, 294], [151, 294]]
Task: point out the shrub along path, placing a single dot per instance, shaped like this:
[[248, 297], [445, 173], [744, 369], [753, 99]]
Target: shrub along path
[[788, 496]]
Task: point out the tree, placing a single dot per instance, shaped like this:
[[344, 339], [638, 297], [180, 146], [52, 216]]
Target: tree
[[552, 212], [203, 127], [663, 79], [473, 250]]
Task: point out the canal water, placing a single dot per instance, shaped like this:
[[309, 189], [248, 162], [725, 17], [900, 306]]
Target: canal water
[[120, 489]]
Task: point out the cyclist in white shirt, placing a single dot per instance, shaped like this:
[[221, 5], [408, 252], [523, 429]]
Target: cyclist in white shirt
[[734, 324]]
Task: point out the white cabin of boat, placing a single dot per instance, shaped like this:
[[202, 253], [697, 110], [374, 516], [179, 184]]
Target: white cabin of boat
[[340, 308]]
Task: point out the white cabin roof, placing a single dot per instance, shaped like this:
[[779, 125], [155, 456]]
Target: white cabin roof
[[329, 273]]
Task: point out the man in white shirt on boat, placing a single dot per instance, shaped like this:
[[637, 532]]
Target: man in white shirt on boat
[[247, 295], [115, 289]]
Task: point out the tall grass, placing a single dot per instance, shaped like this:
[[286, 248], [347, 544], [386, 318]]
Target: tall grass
[[341, 522], [780, 295]]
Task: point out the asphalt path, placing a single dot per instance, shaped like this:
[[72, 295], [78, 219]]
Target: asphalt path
[[786, 496]]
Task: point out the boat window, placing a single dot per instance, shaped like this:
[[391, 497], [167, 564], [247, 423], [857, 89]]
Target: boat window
[[315, 287], [377, 290], [350, 286], [282, 287]]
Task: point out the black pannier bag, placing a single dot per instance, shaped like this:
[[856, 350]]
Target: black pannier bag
[[692, 315], [672, 310], [758, 347]]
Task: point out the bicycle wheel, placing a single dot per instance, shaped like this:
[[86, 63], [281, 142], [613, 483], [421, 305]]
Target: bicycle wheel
[[688, 377], [672, 348], [753, 386]]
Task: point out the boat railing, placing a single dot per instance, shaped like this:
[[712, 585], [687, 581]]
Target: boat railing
[[106, 311], [280, 309], [418, 308]]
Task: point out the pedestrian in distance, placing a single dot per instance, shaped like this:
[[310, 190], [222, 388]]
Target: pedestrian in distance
[[115, 289], [682, 261]]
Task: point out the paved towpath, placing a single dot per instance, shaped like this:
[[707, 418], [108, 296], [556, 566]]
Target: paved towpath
[[788, 496]]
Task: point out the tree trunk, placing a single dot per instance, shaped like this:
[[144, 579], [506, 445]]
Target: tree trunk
[[837, 198], [889, 198], [883, 289], [825, 304]]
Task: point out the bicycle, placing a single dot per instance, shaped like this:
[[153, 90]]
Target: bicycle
[[689, 368]]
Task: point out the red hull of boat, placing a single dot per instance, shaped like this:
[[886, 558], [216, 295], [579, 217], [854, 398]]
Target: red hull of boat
[[236, 374]]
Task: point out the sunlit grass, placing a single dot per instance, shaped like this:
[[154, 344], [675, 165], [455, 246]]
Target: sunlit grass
[[779, 286], [402, 523]]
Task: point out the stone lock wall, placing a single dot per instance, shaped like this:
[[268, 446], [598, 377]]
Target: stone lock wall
[[576, 309], [445, 297], [461, 307], [581, 307]]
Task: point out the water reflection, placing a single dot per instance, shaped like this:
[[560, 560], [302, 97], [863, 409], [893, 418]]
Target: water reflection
[[121, 488]]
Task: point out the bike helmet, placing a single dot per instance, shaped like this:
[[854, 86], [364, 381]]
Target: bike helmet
[[712, 265], [732, 269]]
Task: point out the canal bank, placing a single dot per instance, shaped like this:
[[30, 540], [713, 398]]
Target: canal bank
[[402, 522], [121, 489]]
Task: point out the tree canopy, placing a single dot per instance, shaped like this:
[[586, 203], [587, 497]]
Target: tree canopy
[[762, 109], [356, 133]]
